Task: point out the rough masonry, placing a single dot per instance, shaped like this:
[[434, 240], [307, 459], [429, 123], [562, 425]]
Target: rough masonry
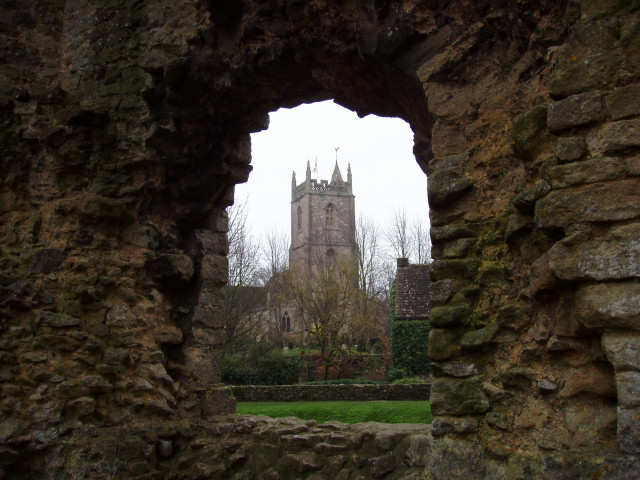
[[124, 128]]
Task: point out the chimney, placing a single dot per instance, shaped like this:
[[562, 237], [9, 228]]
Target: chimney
[[402, 262]]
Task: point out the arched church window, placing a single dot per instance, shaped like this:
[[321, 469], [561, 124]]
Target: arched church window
[[299, 218], [329, 214], [285, 322]]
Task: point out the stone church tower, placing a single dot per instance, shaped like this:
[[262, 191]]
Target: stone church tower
[[322, 221]]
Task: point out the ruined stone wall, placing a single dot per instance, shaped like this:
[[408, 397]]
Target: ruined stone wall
[[125, 125], [243, 446], [522, 361]]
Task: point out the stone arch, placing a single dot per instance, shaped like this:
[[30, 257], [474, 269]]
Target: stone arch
[[127, 139]]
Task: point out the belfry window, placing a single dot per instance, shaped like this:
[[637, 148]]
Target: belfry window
[[329, 214], [299, 218], [331, 256]]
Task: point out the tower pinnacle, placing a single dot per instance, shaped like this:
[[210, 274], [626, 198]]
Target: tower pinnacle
[[293, 184], [337, 176]]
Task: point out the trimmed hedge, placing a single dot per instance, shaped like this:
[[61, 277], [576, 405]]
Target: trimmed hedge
[[409, 343], [310, 393], [271, 370], [347, 381]]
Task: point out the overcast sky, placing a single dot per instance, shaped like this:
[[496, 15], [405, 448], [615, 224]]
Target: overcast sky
[[385, 173]]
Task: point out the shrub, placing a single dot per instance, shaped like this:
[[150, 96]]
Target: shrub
[[277, 370], [396, 373], [409, 340], [273, 369]]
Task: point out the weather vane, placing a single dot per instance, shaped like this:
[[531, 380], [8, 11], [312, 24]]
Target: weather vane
[[336, 149]]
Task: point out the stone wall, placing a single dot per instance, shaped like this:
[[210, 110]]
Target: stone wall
[[125, 126], [310, 393], [239, 447]]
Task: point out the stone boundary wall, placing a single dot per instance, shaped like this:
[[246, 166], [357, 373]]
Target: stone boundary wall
[[293, 393]]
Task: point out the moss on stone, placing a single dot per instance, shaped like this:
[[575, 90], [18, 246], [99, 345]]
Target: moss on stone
[[518, 378], [453, 396], [463, 268], [511, 315], [458, 248], [491, 274], [480, 337], [526, 131], [446, 186], [97, 207], [449, 316], [442, 343]]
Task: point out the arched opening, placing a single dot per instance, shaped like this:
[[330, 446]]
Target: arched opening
[[285, 324], [374, 86], [236, 142], [338, 227]]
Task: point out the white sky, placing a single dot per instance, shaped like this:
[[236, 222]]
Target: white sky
[[385, 173]]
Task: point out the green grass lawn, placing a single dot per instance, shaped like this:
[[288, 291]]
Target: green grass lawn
[[347, 412]]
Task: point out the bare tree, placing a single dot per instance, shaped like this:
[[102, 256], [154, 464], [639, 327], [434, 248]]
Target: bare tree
[[241, 296], [244, 251], [326, 301], [398, 234], [242, 315], [420, 241], [275, 253], [386, 277], [368, 306], [368, 254]]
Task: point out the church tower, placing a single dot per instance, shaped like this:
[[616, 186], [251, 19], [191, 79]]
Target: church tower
[[322, 221]]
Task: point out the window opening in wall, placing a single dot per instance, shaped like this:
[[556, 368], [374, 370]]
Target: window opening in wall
[[357, 189], [329, 215]]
